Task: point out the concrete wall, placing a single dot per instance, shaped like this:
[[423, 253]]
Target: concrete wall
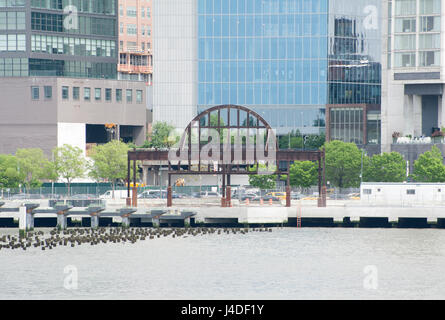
[[26, 123]]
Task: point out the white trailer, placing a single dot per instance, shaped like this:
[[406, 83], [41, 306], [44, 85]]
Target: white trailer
[[402, 194]]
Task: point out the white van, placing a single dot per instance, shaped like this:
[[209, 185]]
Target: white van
[[118, 194]]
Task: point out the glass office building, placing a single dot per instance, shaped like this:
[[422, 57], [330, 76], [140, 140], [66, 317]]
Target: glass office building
[[281, 58], [63, 38]]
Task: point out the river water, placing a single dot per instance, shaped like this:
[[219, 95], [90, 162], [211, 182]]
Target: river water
[[284, 264]]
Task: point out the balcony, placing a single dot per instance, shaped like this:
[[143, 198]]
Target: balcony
[[127, 68]]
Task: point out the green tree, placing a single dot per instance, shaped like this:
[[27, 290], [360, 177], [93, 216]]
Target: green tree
[[303, 174], [110, 162], [9, 174], [31, 163], [263, 181], [162, 136], [69, 163], [343, 164], [387, 167], [429, 167]]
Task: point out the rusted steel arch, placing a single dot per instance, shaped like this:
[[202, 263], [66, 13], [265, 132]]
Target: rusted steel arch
[[258, 123]]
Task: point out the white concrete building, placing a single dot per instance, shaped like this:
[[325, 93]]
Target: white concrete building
[[413, 65]]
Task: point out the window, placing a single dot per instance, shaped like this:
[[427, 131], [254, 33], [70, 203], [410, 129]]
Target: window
[[405, 42], [405, 59], [118, 95], [76, 91], [48, 92], [121, 28], [405, 25], [148, 12], [428, 24], [367, 191], [108, 94], [138, 96], [97, 94], [411, 191], [131, 11], [129, 95], [87, 94], [35, 93], [132, 29], [65, 93], [142, 12], [430, 6], [121, 11], [429, 58], [406, 7]]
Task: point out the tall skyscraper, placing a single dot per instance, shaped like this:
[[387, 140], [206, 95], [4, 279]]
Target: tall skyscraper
[[289, 60]]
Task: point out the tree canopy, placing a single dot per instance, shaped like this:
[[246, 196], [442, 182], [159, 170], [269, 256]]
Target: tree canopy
[[162, 136], [303, 174], [343, 164], [9, 173], [263, 181], [387, 167], [110, 162], [31, 166], [429, 167], [69, 163]]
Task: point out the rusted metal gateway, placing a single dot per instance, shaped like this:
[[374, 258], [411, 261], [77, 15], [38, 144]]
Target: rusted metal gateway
[[226, 140]]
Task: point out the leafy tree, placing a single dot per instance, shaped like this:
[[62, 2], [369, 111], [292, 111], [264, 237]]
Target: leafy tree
[[429, 167], [263, 181], [9, 174], [343, 164], [31, 163], [110, 162], [387, 167], [303, 174], [69, 163], [161, 136]]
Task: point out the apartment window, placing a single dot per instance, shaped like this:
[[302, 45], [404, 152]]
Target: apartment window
[[76, 93], [108, 94], [429, 24], [148, 12], [406, 7], [121, 28], [87, 94], [118, 95], [429, 6], [129, 95], [35, 93], [429, 41], [142, 12], [405, 60], [429, 58], [48, 92], [143, 30], [143, 46], [148, 30], [138, 96], [411, 191], [405, 42], [65, 93], [131, 11], [132, 29], [121, 11], [97, 94], [405, 25], [367, 191]]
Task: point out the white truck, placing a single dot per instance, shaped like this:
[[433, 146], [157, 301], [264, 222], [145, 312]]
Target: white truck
[[118, 194]]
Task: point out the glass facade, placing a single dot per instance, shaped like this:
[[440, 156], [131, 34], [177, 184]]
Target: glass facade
[[288, 59], [268, 55], [354, 52], [47, 47]]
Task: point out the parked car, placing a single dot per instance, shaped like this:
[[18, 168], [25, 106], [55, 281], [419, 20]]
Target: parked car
[[296, 196], [280, 195], [206, 194], [249, 196]]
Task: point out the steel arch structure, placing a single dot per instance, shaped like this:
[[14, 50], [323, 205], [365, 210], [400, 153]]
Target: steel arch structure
[[227, 140]]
